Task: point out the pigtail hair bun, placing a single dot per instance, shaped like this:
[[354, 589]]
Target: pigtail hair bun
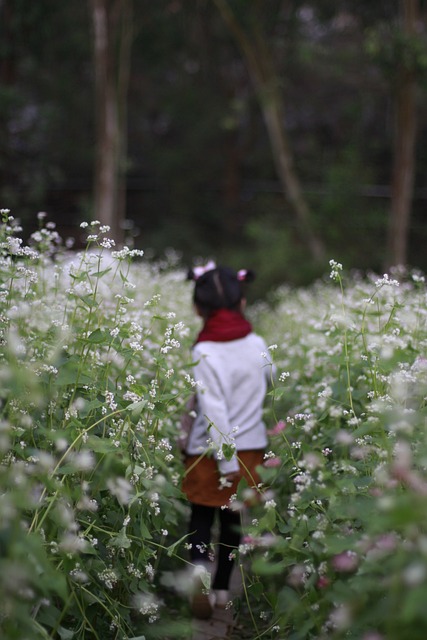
[[218, 287], [190, 275], [246, 275], [196, 272]]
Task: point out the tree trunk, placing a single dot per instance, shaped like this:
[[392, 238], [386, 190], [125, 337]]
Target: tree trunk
[[126, 38], [261, 70], [404, 148], [112, 43], [8, 61], [289, 180]]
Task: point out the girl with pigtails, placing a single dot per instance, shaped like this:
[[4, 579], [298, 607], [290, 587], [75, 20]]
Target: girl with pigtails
[[232, 377]]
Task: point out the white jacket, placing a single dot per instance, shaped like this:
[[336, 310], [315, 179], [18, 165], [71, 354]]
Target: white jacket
[[234, 376]]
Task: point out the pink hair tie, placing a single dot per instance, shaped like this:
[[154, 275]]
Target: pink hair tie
[[241, 275], [200, 270]]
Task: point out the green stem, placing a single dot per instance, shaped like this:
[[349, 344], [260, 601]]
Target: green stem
[[245, 591], [62, 614], [58, 464], [346, 352]]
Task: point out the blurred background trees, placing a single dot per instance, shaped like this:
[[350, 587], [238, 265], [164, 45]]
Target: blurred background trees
[[270, 134], [112, 23]]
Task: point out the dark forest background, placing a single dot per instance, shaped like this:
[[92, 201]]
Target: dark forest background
[[272, 134]]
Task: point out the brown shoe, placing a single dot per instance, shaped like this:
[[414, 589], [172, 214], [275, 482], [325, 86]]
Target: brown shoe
[[201, 599], [202, 605]]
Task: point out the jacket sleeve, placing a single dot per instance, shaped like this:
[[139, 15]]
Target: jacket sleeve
[[212, 404]]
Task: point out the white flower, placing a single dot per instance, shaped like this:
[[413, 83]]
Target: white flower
[[120, 488], [108, 577], [414, 574], [386, 281], [107, 243], [270, 504], [336, 267]]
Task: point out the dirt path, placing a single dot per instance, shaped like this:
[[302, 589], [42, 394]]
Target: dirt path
[[221, 624], [218, 627]]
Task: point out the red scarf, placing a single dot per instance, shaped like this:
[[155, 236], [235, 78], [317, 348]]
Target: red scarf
[[224, 325]]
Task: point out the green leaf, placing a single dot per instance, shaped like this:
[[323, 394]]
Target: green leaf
[[205, 578], [96, 337], [145, 534], [99, 274], [278, 392], [101, 445], [121, 540], [268, 521], [78, 277], [256, 590], [172, 547], [136, 407], [89, 301], [65, 634], [48, 616], [228, 450], [168, 396], [71, 373], [287, 599], [262, 567], [90, 406]]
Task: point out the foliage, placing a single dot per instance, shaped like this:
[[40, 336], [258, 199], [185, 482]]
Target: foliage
[[343, 543], [45, 123], [91, 391], [95, 374], [199, 167]]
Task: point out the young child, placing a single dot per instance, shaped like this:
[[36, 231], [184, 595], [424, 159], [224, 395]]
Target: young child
[[233, 377]]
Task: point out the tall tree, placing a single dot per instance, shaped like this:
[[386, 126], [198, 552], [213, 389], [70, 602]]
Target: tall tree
[[404, 136], [262, 71], [112, 29]]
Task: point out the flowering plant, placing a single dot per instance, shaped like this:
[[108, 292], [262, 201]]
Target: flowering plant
[[92, 389], [345, 556], [95, 375]]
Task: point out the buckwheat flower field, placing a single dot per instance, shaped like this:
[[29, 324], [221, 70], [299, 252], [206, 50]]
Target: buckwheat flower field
[[95, 369]]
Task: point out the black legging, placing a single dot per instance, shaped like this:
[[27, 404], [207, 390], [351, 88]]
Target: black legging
[[201, 522]]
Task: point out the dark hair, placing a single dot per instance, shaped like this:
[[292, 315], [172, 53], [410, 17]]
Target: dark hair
[[219, 288]]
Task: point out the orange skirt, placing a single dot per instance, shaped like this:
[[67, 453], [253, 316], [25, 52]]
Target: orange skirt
[[201, 482]]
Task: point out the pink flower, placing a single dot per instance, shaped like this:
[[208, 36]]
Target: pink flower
[[272, 462], [323, 582], [297, 576], [280, 426], [345, 562], [387, 542]]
